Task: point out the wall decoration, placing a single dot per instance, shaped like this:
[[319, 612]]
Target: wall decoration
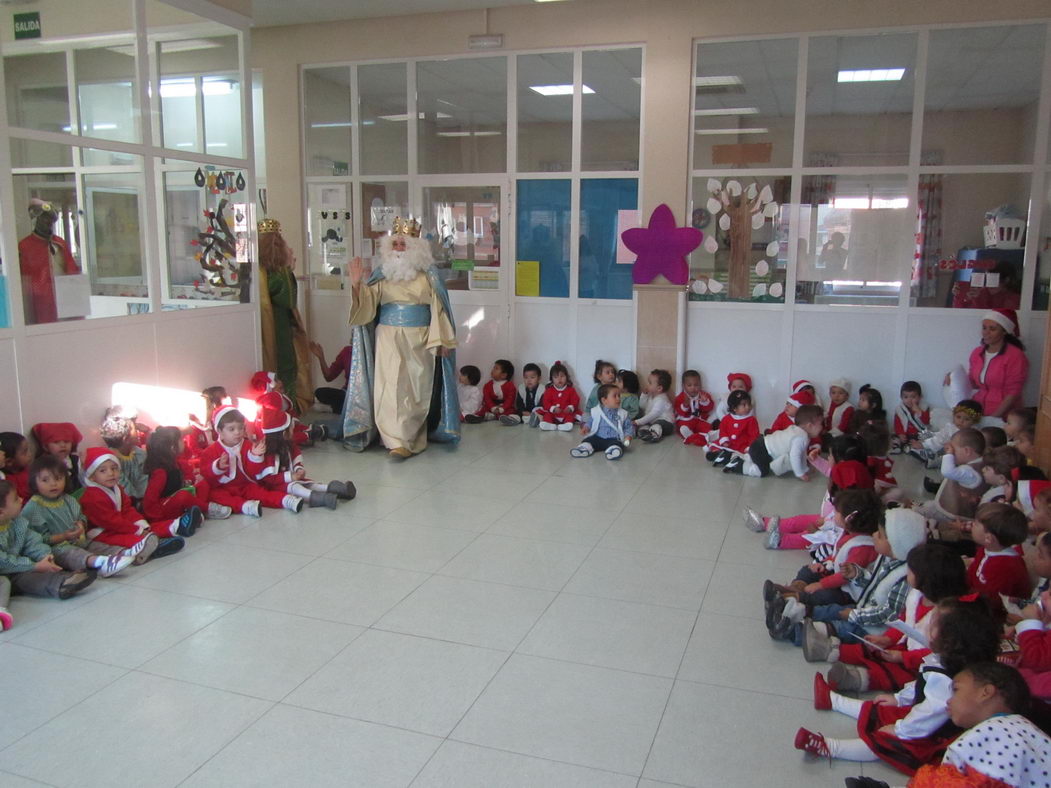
[[741, 210], [661, 248]]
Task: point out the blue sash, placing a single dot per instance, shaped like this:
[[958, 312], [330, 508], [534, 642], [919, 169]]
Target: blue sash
[[405, 315]]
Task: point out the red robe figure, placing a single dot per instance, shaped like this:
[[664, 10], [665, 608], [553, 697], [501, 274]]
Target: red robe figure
[[41, 256]]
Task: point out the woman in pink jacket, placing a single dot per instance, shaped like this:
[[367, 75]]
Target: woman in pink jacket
[[996, 370]]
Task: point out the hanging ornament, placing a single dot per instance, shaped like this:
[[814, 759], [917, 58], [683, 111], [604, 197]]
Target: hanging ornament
[[762, 268], [240, 183], [199, 178], [220, 181], [715, 286], [699, 286]]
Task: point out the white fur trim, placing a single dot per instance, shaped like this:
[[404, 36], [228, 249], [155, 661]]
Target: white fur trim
[[1001, 320]]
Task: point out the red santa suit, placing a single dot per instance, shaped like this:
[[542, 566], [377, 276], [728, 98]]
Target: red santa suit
[[167, 495], [40, 259], [882, 472], [909, 425], [273, 475], [1034, 643], [194, 442], [263, 384], [111, 517], [691, 417], [232, 482], [20, 479], [498, 398], [736, 433], [837, 419], [559, 406], [1000, 572], [782, 422], [884, 675]]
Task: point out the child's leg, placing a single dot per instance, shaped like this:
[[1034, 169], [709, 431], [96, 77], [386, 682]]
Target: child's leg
[[176, 505], [793, 542], [46, 584], [268, 498], [799, 524], [850, 750], [164, 528], [225, 497], [74, 559]]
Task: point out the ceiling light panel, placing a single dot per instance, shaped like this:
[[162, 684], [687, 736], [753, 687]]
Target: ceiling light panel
[[558, 90], [872, 75]]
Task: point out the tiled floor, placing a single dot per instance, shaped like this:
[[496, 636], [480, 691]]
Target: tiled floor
[[495, 615]]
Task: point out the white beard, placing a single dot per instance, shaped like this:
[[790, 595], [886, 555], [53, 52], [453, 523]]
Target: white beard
[[404, 266]]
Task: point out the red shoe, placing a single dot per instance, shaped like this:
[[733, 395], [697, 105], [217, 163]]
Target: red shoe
[[812, 743], [822, 693], [696, 440]]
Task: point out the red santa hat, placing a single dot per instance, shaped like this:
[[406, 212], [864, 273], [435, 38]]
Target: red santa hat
[[93, 459], [274, 420], [799, 385], [272, 400], [741, 376], [1026, 491], [851, 474], [221, 411], [52, 432], [263, 381], [1007, 319], [801, 398]]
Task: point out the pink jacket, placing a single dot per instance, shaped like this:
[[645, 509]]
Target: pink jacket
[[1006, 376]]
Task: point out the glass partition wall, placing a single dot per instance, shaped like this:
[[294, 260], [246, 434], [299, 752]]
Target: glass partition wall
[[131, 183]]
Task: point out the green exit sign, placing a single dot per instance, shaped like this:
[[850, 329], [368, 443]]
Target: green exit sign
[[27, 25]]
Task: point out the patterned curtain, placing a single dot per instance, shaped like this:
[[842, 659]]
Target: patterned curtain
[[928, 232]]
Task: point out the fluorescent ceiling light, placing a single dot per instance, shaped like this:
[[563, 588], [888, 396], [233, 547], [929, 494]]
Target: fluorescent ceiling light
[[558, 90], [172, 47], [185, 88], [728, 111], [338, 124], [716, 82], [422, 116], [103, 126], [872, 75], [469, 133], [894, 202], [715, 132], [183, 144], [217, 145]]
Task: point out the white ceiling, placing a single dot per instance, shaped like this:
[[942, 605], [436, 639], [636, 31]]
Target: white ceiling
[[267, 13]]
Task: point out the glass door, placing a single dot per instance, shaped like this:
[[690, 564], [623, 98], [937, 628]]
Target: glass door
[[462, 224]]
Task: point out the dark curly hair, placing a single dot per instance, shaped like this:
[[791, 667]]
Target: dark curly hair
[[862, 510], [1008, 682], [964, 633], [938, 571]]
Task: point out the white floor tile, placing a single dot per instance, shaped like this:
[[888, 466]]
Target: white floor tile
[[577, 714], [37, 686], [340, 591], [612, 634], [403, 546], [569, 524], [255, 652], [700, 500], [467, 611], [493, 481], [298, 747], [156, 730], [676, 536], [30, 612], [315, 535], [407, 682], [125, 627], [443, 509], [643, 577], [519, 562], [609, 495], [738, 590], [8, 780], [458, 765], [379, 500]]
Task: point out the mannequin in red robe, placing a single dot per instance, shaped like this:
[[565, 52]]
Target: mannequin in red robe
[[41, 256]]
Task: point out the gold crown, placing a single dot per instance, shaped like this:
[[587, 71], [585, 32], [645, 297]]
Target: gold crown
[[268, 226], [409, 227]]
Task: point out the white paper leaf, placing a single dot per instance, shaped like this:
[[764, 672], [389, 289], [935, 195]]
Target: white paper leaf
[[772, 249], [714, 206], [752, 190], [771, 209], [711, 245], [767, 194], [715, 185], [758, 220], [776, 289], [762, 268], [715, 286], [724, 221], [699, 286], [759, 291], [733, 187]]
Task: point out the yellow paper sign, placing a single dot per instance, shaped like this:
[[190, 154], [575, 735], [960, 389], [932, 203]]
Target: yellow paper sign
[[527, 278]]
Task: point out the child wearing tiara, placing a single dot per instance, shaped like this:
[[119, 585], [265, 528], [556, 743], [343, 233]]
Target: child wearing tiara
[[738, 428], [61, 439], [840, 411], [283, 469], [692, 408], [912, 417], [120, 433], [560, 406], [172, 490], [735, 381], [232, 464]]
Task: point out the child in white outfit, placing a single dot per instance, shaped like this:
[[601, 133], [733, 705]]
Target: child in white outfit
[[658, 417], [470, 394]]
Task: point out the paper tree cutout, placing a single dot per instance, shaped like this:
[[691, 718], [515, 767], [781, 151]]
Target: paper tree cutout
[[739, 211], [661, 248]]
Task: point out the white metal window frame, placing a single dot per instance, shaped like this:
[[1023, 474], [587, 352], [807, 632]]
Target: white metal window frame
[[146, 114]]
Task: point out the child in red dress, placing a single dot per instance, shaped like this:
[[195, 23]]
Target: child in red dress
[[499, 392], [693, 405], [737, 429], [560, 407], [173, 489]]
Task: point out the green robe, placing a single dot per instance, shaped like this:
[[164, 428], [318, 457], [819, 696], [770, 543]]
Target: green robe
[[20, 547]]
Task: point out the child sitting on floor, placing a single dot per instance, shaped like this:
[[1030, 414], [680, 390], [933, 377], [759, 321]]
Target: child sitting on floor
[[120, 433], [780, 452], [657, 411], [876, 438], [604, 374], [470, 394], [629, 392], [692, 407], [17, 455], [998, 567], [1024, 442], [528, 398], [172, 490], [738, 429], [787, 417], [912, 417], [997, 466], [1033, 631], [57, 517], [560, 406], [1017, 420], [962, 487], [609, 426], [869, 410], [966, 414], [840, 411], [912, 727], [27, 565], [735, 381], [498, 393], [61, 440]]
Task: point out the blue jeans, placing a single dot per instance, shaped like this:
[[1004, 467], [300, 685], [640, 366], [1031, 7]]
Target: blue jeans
[[830, 615]]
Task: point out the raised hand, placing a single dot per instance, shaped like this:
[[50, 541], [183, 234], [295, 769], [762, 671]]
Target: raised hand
[[357, 271]]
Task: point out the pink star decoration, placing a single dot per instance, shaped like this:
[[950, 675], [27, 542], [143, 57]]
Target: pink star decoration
[[661, 248]]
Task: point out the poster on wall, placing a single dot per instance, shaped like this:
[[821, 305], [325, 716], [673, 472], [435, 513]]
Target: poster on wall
[[383, 218], [332, 231]]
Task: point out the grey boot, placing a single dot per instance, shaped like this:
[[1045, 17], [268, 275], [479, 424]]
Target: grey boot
[[318, 498], [345, 491]]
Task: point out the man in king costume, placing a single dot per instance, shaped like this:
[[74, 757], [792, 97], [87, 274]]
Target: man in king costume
[[402, 380]]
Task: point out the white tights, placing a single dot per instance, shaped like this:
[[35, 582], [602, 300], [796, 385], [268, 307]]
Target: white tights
[[849, 749], [301, 490]]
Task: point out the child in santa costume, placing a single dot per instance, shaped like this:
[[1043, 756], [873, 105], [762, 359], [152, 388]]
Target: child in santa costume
[[912, 417], [560, 406], [912, 727], [173, 489], [61, 439], [199, 435], [113, 520], [283, 469], [120, 433], [692, 408], [787, 417], [738, 428], [735, 381], [231, 466], [840, 411], [498, 393], [998, 568], [305, 435], [1033, 632], [876, 439]]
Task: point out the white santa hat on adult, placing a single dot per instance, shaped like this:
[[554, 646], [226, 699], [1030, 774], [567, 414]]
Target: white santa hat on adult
[[905, 529], [1007, 319], [93, 460]]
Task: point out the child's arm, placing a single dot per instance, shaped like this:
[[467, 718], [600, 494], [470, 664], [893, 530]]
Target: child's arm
[[963, 474], [1034, 640], [101, 513], [821, 464], [875, 615]]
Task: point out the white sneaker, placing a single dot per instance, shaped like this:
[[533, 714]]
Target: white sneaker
[[216, 511], [252, 509], [614, 453], [547, 426], [292, 503], [114, 564], [565, 426], [583, 450], [141, 551], [754, 520]]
